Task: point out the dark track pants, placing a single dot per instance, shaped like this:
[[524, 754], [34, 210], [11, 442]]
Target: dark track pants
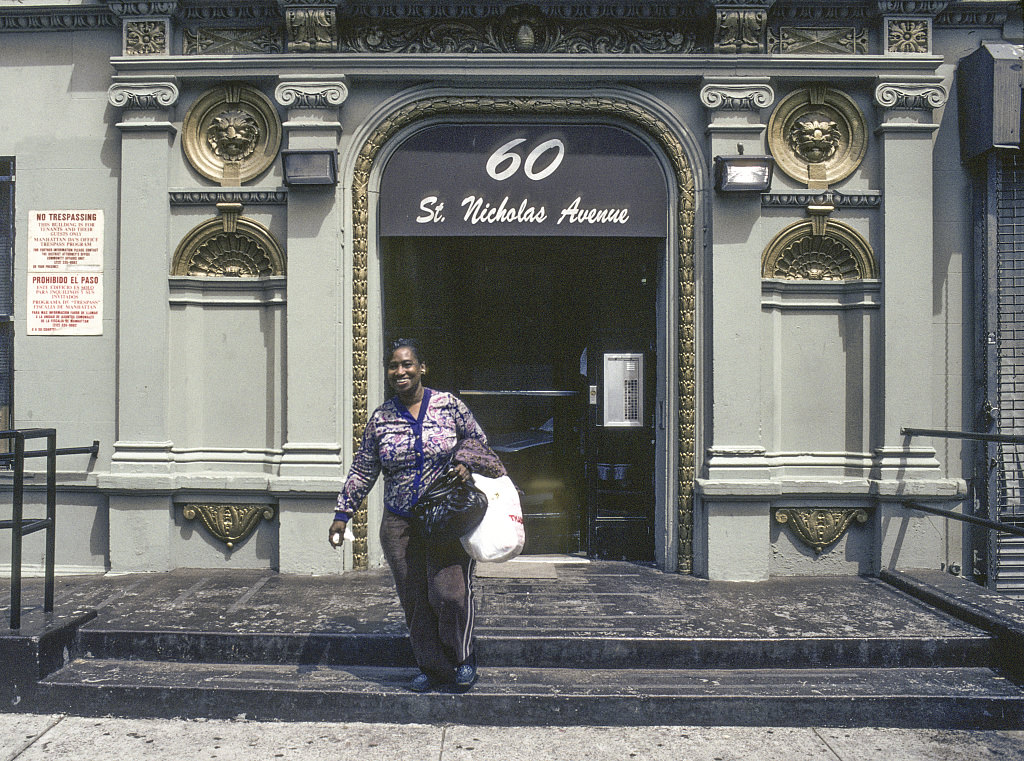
[[435, 587]]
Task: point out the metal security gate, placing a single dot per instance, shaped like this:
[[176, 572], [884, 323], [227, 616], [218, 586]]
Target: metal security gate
[[1006, 369]]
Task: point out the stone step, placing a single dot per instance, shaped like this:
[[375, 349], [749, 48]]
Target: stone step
[[972, 648], [894, 697]]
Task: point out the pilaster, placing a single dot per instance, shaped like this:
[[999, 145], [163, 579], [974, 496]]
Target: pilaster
[[314, 295], [731, 537], [735, 125], [905, 135], [147, 132]]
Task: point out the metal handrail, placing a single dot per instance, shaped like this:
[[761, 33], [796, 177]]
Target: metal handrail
[[93, 450], [1000, 438], [19, 527], [995, 525]]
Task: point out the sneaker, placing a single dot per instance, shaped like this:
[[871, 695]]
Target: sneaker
[[422, 683], [465, 674]]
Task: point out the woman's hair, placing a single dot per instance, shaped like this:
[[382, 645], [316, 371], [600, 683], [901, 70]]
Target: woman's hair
[[398, 343]]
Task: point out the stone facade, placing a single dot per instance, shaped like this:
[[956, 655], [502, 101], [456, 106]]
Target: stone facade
[[800, 329]]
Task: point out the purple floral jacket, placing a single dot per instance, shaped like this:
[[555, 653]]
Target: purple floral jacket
[[411, 452]]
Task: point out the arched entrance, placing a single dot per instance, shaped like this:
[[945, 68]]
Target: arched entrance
[[678, 346]]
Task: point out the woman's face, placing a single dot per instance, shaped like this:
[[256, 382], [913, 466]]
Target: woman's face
[[404, 371]]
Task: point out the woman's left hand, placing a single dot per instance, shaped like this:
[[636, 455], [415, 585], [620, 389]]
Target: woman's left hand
[[462, 471]]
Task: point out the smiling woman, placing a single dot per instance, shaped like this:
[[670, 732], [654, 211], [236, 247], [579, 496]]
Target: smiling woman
[[414, 438]]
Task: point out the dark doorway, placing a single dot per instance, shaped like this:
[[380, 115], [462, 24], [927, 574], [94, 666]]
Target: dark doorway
[[519, 327]]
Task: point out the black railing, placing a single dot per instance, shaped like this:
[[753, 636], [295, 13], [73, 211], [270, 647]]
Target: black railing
[[18, 525], [997, 438]]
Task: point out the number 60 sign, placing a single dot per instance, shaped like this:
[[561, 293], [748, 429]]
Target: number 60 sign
[[505, 154]]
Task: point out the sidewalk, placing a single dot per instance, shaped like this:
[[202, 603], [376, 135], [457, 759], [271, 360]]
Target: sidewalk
[[28, 737]]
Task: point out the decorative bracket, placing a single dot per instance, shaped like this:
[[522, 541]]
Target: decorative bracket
[[229, 523], [819, 528]]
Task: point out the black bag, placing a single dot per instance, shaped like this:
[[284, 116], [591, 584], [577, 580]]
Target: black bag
[[449, 509]]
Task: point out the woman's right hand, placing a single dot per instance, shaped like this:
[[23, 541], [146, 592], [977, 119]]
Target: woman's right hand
[[336, 534]]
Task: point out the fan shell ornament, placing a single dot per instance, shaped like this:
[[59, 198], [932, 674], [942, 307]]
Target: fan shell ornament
[[244, 249], [818, 136], [802, 252], [231, 134]]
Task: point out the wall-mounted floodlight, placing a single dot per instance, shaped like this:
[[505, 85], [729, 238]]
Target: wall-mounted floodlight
[[739, 173], [310, 167]]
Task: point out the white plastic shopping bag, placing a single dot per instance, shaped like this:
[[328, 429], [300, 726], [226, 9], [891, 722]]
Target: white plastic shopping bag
[[500, 536]]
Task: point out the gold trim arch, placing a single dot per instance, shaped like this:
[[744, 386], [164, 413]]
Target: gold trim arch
[[604, 107]]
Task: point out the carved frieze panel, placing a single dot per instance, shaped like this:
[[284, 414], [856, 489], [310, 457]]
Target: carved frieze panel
[[844, 40], [224, 41], [807, 250], [231, 134], [229, 246], [229, 523], [819, 528], [817, 135], [522, 29]]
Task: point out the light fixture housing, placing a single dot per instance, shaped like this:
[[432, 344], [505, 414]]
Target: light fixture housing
[[310, 167], [750, 173]]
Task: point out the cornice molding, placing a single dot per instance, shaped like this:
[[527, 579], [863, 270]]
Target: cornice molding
[[658, 9], [129, 9], [912, 7], [832, 198], [62, 19], [212, 197]]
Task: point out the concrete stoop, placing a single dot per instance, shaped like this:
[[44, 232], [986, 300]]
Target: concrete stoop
[[606, 644]]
